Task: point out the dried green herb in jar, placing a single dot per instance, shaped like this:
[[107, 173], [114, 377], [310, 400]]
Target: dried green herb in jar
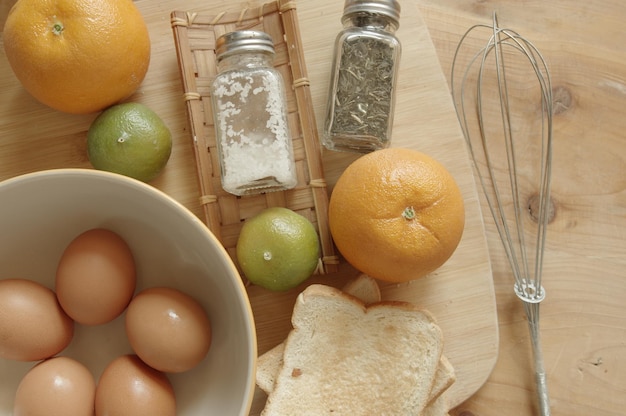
[[365, 68]]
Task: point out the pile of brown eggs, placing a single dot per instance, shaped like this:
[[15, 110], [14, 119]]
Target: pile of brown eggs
[[95, 283]]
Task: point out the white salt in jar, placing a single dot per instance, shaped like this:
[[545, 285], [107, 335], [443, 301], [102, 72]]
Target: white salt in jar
[[250, 116]]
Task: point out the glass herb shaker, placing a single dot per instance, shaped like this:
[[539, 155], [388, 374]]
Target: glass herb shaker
[[250, 116], [361, 99]]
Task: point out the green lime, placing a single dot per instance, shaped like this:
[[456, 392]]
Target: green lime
[[129, 139], [278, 249]]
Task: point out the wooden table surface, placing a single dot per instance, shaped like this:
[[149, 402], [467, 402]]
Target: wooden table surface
[[583, 317]]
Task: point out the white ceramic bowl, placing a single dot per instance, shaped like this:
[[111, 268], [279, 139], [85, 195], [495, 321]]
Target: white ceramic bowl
[[41, 213]]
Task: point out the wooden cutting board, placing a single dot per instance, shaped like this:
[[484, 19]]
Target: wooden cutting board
[[460, 294]]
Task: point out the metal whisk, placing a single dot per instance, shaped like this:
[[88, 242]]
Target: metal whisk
[[494, 115]]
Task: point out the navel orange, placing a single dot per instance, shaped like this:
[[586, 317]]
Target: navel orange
[[396, 214], [77, 56]]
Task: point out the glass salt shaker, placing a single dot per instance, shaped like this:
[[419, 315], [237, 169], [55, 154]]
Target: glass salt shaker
[[250, 116], [361, 99]]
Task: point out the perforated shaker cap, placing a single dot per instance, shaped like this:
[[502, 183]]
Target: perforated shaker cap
[[389, 8], [243, 41]]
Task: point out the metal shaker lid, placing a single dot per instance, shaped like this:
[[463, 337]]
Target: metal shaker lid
[[243, 41], [389, 8]]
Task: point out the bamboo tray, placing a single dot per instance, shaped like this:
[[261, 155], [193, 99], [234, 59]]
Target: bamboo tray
[[195, 35]]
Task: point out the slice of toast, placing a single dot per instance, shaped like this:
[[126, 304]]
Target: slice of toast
[[269, 363], [348, 359], [438, 407], [366, 289], [444, 378]]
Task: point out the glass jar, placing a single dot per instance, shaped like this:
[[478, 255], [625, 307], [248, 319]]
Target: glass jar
[[361, 99], [250, 116]]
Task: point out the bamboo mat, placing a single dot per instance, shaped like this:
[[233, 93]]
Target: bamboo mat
[[195, 35]]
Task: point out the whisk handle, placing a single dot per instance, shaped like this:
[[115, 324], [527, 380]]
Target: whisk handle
[[532, 311], [542, 393]]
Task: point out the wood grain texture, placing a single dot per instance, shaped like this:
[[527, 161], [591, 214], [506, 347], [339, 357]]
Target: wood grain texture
[[583, 318], [460, 294]]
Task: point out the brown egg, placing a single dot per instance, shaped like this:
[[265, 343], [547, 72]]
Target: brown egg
[[168, 329], [96, 277], [32, 324], [128, 387], [58, 386]]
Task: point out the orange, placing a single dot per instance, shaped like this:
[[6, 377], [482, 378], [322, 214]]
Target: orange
[[77, 56], [396, 214]]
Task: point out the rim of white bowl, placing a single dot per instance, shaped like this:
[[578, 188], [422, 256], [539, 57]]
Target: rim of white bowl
[[128, 181]]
